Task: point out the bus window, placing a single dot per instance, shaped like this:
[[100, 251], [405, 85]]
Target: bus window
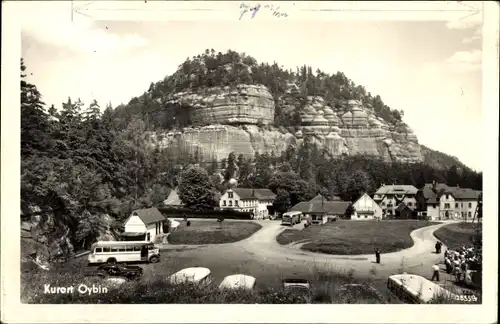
[[98, 250], [122, 249], [106, 249], [130, 249], [137, 248], [114, 249]]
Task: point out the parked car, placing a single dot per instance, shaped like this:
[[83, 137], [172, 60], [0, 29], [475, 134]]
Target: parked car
[[296, 284], [120, 270], [195, 275], [238, 281]]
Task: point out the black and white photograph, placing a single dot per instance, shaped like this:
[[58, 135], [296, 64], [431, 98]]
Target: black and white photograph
[[254, 157]]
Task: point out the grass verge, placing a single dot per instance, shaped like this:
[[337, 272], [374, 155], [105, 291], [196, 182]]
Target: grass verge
[[456, 235], [212, 232], [346, 237]]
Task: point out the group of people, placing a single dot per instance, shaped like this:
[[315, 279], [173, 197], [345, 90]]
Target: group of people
[[457, 262]]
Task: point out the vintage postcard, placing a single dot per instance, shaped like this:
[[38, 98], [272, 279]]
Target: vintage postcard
[[253, 162]]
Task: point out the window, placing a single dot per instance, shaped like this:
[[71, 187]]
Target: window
[[130, 249], [409, 203], [470, 205], [230, 203], [137, 248], [106, 249], [462, 205], [230, 195], [122, 249], [236, 202], [98, 250], [469, 214], [463, 214], [446, 205], [447, 197], [114, 249], [223, 203], [456, 205], [383, 203]]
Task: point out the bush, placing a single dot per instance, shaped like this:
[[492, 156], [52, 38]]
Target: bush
[[209, 214]]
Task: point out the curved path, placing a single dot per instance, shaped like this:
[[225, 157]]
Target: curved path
[[262, 245]]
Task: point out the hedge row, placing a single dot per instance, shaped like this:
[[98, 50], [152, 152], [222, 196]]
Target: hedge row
[[226, 214]]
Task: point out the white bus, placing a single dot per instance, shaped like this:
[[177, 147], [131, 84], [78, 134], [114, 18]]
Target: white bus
[[196, 275], [123, 251], [238, 281], [415, 289], [291, 218]]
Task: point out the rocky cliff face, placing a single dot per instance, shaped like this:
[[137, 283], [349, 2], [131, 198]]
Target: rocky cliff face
[[240, 120]]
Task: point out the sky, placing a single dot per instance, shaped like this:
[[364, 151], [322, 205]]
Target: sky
[[429, 69]]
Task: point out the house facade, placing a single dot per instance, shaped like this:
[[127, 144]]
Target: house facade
[[389, 197], [256, 201], [366, 208], [144, 225], [446, 202], [319, 209]]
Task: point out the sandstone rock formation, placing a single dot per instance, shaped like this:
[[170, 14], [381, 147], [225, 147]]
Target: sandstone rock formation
[[240, 120], [246, 104]]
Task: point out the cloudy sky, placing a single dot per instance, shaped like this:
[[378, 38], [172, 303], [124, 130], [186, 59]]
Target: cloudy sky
[[429, 69]]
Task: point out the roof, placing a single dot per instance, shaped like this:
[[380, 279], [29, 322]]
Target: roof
[[173, 199], [397, 190], [334, 207], [237, 281], [249, 193], [193, 274], [430, 196], [457, 192], [149, 215], [319, 197], [402, 206]]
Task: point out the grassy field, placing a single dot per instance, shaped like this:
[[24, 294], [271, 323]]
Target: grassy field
[[212, 232], [455, 236], [346, 237]]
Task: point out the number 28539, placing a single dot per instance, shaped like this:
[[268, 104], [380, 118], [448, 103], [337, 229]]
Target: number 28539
[[466, 298]]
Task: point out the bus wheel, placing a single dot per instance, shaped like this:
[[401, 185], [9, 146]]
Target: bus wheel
[[154, 259], [112, 261]]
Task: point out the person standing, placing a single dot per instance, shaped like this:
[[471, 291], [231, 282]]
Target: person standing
[[435, 272], [377, 255]]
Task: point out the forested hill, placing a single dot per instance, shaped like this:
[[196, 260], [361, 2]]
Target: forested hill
[[83, 170], [230, 69]]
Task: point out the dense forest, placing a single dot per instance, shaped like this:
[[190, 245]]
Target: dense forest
[[80, 162]]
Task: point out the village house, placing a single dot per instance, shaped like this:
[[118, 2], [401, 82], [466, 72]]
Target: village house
[[256, 201], [144, 225], [366, 208], [445, 202], [390, 198], [320, 209]]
